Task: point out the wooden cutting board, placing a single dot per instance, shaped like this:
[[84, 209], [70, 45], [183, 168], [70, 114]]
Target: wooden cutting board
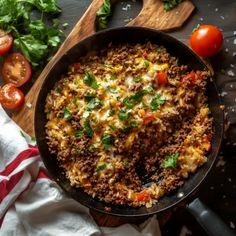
[[152, 15]]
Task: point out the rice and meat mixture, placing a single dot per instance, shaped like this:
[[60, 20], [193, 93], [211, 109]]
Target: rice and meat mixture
[[128, 114]]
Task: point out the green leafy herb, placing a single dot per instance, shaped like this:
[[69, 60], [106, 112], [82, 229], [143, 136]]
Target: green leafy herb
[[123, 115], [157, 100], [87, 128], [89, 96], [78, 133], [170, 4], [113, 127], [137, 79], [101, 167], [64, 25], [133, 100], [103, 14], [35, 40], [108, 66], [145, 106], [89, 80], [111, 112], [107, 140], [171, 161], [67, 114], [92, 147], [22, 134], [55, 22], [94, 103], [146, 63], [76, 83], [75, 101], [113, 76], [134, 124]]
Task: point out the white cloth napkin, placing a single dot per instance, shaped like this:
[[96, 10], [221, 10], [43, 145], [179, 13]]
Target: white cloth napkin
[[34, 205]]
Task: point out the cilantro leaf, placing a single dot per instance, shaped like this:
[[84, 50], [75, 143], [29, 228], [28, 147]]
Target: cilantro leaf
[[78, 133], [94, 103], [87, 128], [170, 4], [101, 167], [157, 100], [89, 80], [103, 14], [171, 160], [123, 115], [67, 114], [111, 112], [133, 100], [107, 141]]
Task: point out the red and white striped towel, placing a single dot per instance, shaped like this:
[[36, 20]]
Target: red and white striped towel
[[33, 204]]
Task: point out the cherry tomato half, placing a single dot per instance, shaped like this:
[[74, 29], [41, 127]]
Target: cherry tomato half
[[161, 78], [206, 41], [11, 97], [16, 69], [6, 41]]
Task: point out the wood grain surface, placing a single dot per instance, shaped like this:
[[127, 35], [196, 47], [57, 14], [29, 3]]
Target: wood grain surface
[[152, 15]]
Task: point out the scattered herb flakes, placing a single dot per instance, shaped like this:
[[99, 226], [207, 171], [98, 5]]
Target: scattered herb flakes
[[123, 115], [145, 106], [78, 133], [171, 161], [113, 127], [108, 66], [64, 25], [146, 63], [87, 128], [118, 98], [107, 141], [103, 14], [75, 101], [134, 124], [113, 76], [89, 96], [133, 100], [137, 79], [55, 22], [94, 103], [67, 114], [157, 100], [170, 4], [89, 80], [111, 112], [92, 147], [76, 83], [101, 167]]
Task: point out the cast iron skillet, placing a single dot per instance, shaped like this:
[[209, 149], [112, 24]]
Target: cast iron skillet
[[95, 43]]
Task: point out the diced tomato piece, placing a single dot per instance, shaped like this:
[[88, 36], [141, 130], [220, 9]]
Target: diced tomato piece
[[190, 77], [148, 117], [142, 196], [161, 78]]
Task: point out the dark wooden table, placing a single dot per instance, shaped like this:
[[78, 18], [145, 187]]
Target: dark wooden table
[[219, 189]]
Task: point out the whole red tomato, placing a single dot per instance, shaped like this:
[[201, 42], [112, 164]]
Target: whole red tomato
[[206, 40]]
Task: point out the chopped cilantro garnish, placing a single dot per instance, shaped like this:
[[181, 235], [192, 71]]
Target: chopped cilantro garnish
[[113, 76], [101, 167], [76, 83], [87, 128], [58, 89], [157, 100], [113, 127], [108, 66], [171, 161], [67, 114], [22, 134], [111, 112], [134, 124], [144, 105], [137, 79], [64, 25], [89, 96], [89, 80], [133, 100], [78, 133], [75, 101], [123, 115], [92, 147], [146, 63], [107, 140], [94, 103]]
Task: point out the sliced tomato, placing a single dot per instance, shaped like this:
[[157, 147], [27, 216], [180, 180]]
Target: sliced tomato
[[11, 97], [161, 78], [6, 41], [148, 117], [142, 196], [16, 69], [190, 77]]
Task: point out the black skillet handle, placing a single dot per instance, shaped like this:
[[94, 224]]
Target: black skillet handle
[[211, 223]]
